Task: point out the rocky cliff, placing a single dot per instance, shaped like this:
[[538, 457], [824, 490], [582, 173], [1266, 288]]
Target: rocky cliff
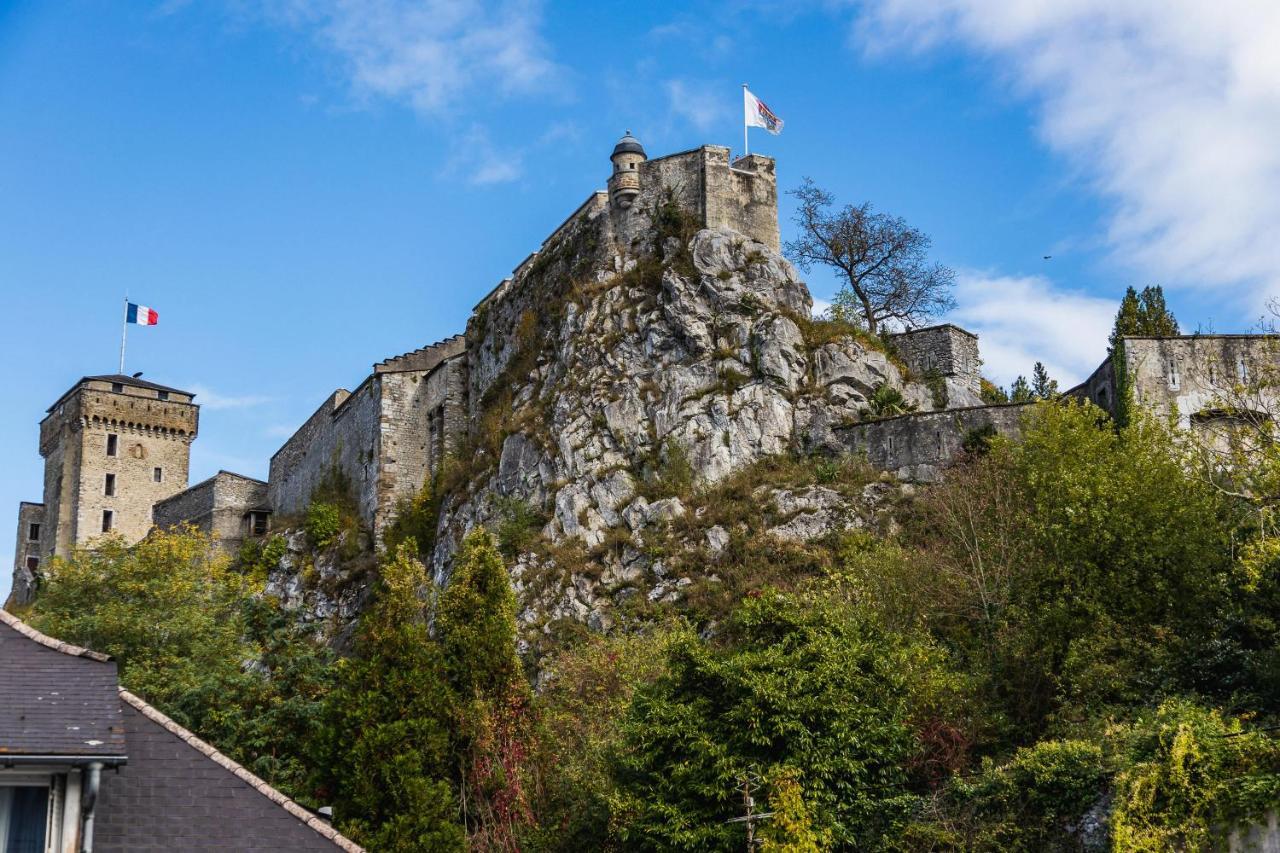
[[652, 421], [651, 384]]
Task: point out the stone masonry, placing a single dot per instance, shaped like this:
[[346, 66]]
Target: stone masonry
[[113, 447], [949, 352], [229, 507], [386, 436]]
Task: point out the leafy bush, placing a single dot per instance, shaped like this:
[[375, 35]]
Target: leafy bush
[[323, 524], [791, 689], [886, 402]]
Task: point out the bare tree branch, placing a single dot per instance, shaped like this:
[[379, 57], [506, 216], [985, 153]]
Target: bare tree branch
[[883, 260]]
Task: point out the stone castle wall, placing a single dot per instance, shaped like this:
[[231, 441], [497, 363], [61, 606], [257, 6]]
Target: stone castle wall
[[378, 436], [217, 506], [918, 447], [343, 434], [1192, 375], [951, 352], [27, 550]]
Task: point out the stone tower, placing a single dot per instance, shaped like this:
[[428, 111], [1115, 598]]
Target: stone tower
[[624, 183], [113, 446]]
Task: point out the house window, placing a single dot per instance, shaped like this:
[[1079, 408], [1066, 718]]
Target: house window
[[24, 816], [113, 443], [157, 475], [163, 395], [109, 487], [33, 531], [108, 520], [118, 387]]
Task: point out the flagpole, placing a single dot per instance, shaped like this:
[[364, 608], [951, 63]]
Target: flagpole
[[746, 148], [124, 332]]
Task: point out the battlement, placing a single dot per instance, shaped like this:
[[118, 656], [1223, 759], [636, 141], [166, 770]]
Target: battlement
[[423, 358]]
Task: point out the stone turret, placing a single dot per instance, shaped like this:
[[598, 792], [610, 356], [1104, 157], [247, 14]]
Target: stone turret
[[624, 183]]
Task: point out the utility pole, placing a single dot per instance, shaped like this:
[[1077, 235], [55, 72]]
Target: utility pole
[[746, 782]]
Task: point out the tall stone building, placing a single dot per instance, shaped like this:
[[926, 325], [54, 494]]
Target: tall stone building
[[113, 447]]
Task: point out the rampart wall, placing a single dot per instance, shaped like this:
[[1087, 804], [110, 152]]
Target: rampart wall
[[917, 447], [1192, 375], [217, 506]]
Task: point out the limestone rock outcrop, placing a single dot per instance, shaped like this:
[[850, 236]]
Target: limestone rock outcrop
[[655, 380]]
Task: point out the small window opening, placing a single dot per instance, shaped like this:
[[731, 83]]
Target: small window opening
[[258, 523], [1242, 370], [33, 563], [33, 532], [113, 442], [109, 487], [117, 387], [108, 520], [157, 475], [1173, 373]]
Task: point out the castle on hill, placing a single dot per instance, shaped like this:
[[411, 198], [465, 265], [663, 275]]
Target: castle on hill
[[117, 448]]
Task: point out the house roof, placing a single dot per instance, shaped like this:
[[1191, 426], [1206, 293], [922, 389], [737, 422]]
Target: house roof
[[59, 702], [240, 815]]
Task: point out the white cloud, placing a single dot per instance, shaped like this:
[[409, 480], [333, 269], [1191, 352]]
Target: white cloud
[[429, 53], [1024, 319], [480, 162], [1171, 108], [820, 306], [703, 105], [212, 401]]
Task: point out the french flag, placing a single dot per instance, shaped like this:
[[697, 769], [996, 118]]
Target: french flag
[[142, 315]]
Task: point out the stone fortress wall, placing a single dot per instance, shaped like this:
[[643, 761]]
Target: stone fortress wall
[[223, 506], [1190, 375], [385, 437]]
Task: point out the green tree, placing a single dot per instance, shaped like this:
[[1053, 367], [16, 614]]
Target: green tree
[[1020, 391], [792, 689], [1143, 314], [182, 621], [1042, 387], [476, 626], [390, 748]]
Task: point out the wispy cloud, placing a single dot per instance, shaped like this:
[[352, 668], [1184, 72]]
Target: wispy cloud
[[477, 160], [212, 401], [1024, 319], [701, 104], [1171, 109], [429, 53]]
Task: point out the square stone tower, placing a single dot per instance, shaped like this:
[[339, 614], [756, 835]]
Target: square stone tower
[[113, 447]]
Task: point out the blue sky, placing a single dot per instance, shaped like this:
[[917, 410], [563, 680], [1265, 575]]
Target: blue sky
[[303, 187]]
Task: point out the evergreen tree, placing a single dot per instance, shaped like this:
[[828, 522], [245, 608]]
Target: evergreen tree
[[1143, 314], [1042, 387], [1020, 391], [476, 625], [391, 720], [812, 698]]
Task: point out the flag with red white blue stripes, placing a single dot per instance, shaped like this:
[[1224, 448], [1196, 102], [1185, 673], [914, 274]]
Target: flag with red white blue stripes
[[142, 315]]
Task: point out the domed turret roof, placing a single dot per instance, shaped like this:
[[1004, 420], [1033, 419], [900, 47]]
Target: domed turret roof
[[628, 144]]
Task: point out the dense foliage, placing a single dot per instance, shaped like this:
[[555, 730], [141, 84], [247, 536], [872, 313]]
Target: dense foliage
[[182, 621]]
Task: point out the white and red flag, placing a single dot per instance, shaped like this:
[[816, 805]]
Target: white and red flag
[[758, 114], [142, 315]]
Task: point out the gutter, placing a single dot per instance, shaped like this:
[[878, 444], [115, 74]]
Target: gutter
[[88, 800], [10, 761]]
